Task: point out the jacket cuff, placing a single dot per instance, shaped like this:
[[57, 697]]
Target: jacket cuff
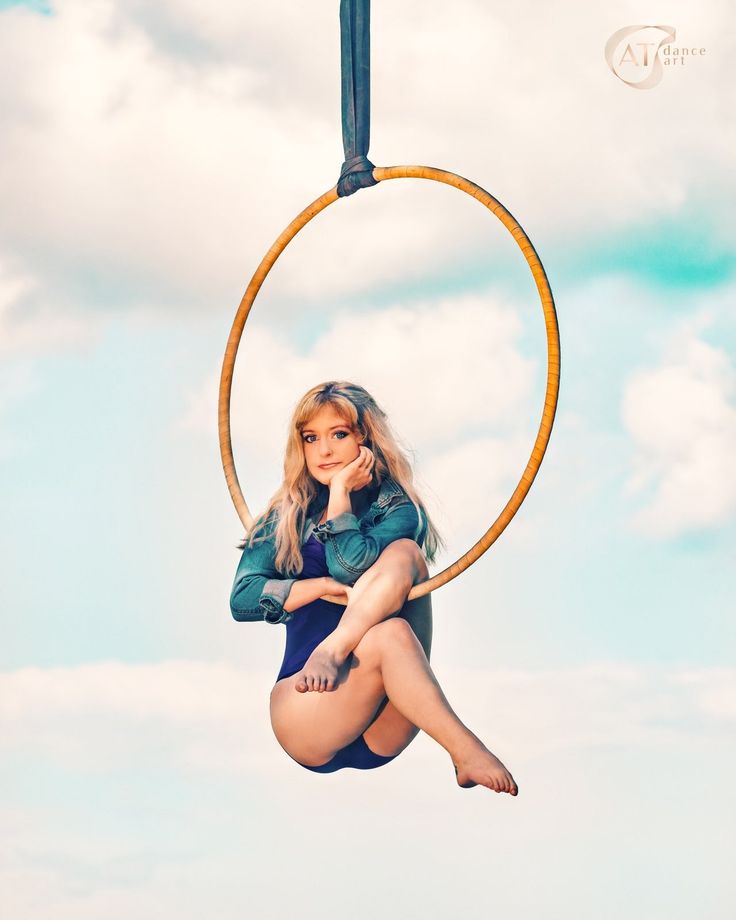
[[273, 597], [345, 521]]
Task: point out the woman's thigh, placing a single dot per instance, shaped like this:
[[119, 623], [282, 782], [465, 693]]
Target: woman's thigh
[[312, 726]]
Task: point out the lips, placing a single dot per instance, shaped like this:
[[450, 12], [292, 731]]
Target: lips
[[327, 466]]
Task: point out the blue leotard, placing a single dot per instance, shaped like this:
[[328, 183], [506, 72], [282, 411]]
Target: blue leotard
[[304, 631], [314, 621]]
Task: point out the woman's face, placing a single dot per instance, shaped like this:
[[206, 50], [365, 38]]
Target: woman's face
[[329, 444]]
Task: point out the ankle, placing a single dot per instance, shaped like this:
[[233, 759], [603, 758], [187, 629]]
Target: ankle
[[465, 745], [341, 642]]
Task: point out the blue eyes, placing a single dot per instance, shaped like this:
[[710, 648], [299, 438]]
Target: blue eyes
[[306, 437]]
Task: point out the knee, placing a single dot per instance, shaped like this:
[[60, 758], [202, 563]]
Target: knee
[[392, 632], [411, 550], [410, 556], [404, 560]]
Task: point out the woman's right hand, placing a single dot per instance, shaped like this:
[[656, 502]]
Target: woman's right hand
[[335, 588]]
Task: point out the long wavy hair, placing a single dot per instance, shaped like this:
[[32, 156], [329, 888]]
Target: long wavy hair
[[292, 502]]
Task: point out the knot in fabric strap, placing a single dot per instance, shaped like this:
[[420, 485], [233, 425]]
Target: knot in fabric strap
[[357, 172]]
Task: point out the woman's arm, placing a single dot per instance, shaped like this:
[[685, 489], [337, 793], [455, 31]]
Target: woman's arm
[[260, 596], [259, 591], [307, 590], [349, 551], [339, 501]]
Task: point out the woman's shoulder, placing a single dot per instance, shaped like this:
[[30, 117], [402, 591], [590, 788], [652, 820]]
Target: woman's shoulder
[[388, 490], [393, 493]]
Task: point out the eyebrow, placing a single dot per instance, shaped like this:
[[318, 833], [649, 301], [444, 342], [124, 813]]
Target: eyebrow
[[312, 431]]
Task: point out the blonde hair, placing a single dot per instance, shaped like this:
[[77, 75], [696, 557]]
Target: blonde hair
[[290, 504]]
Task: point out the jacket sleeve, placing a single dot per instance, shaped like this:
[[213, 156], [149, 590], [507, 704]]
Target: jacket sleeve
[[259, 591], [349, 551]]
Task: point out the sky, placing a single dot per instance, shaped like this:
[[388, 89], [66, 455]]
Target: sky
[[151, 156]]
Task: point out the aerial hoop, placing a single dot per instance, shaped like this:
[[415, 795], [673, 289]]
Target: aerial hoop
[[553, 356]]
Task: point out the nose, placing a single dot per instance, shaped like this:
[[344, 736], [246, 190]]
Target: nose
[[325, 449]]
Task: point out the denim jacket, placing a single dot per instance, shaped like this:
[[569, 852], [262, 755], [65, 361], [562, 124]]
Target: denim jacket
[[353, 541]]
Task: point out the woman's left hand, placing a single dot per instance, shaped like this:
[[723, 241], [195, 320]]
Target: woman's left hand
[[358, 473]]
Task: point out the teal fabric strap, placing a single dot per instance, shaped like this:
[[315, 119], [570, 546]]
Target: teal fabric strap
[[355, 63]]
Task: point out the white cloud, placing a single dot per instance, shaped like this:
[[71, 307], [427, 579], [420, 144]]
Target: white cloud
[[167, 146], [149, 161], [28, 329], [443, 368], [213, 716], [475, 478], [159, 789], [714, 691], [94, 714], [681, 416]]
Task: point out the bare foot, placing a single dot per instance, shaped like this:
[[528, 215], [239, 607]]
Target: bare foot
[[320, 671], [478, 766]]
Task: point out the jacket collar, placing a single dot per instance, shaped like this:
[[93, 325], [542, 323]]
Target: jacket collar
[[389, 488]]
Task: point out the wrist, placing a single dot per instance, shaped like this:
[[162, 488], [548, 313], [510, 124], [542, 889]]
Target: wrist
[[328, 586]]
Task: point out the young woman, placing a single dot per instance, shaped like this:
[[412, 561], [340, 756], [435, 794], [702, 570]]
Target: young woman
[[355, 685]]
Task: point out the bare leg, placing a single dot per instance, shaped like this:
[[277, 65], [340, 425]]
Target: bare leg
[[390, 733], [388, 661], [414, 690], [379, 593]]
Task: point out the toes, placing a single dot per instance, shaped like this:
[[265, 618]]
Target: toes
[[310, 683]]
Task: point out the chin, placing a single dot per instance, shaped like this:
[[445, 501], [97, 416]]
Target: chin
[[324, 476]]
